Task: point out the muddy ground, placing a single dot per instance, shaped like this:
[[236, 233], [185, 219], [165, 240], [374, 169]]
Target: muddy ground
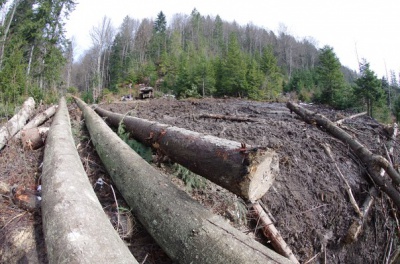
[[308, 200]]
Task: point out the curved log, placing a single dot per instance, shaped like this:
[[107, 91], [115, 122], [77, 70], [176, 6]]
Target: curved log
[[188, 232], [244, 170], [370, 160], [16, 123], [75, 226]]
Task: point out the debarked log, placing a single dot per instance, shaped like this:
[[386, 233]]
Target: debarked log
[[38, 119], [244, 170], [370, 160], [188, 232], [75, 226], [17, 122]]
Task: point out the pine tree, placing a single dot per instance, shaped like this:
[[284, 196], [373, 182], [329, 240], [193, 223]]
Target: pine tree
[[158, 42], [233, 81], [273, 81], [369, 88], [330, 78]]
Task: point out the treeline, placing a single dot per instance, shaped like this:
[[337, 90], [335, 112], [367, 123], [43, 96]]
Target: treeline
[[197, 56], [33, 49], [190, 56]]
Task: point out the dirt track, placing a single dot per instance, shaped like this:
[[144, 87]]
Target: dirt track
[[308, 200]]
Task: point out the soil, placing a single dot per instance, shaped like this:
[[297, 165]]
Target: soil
[[308, 200]]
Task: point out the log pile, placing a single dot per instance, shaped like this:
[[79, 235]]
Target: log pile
[[75, 226], [247, 171], [186, 231], [15, 124]]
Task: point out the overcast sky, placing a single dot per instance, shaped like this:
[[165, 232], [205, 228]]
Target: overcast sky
[[371, 27]]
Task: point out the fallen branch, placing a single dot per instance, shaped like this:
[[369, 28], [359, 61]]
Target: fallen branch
[[76, 229], [341, 176], [229, 118], [244, 170], [38, 119], [338, 122], [370, 160], [16, 123], [187, 231], [356, 227], [272, 233]]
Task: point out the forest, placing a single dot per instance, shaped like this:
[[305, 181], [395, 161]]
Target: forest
[[192, 55]]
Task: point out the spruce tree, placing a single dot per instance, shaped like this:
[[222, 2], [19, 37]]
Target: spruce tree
[[233, 81], [273, 80], [369, 88], [330, 78]]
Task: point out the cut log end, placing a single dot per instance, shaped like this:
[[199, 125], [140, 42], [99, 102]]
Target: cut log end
[[34, 138], [262, 173]]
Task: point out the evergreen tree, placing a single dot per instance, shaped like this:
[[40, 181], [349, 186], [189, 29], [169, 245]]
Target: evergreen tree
[[303, 82], [254, 80], [233, 81], [117, 68], [273, 81], [369, 88], [330, 78], [158, 42]]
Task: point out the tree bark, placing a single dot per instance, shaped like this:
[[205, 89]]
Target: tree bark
[[16, 122], [38, 119], [246, 171], [370, 160], [186, 231], [75, 226]]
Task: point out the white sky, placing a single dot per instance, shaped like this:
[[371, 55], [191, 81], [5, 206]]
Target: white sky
[[371, 26]]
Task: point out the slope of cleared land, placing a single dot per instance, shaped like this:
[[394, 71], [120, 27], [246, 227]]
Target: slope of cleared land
[[308, 201]]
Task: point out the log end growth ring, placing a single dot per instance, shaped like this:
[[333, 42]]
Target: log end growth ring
[[263, 170]]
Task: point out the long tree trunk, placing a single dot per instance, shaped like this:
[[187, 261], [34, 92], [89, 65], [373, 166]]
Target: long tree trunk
[[370, 160], [186, 231], [244, 170], [6, 30], [75, 226], [17, 122]]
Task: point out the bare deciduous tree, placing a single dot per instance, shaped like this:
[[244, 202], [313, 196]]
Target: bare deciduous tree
[[102, 37]]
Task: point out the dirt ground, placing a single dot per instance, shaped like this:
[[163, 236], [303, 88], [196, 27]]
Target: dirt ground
[[308, 200]]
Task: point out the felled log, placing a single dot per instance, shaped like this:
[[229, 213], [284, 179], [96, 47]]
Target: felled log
[[38, 119], [370, 160], [17, 122], [356, 227], [273, 234], [229, 118], [244, 170], [338, 122], [188, 232], [75, 226], [34, 138]]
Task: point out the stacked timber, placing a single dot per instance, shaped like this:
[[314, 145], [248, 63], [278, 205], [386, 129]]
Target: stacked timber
[[188, 232], [247, 171], [75, 226]]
